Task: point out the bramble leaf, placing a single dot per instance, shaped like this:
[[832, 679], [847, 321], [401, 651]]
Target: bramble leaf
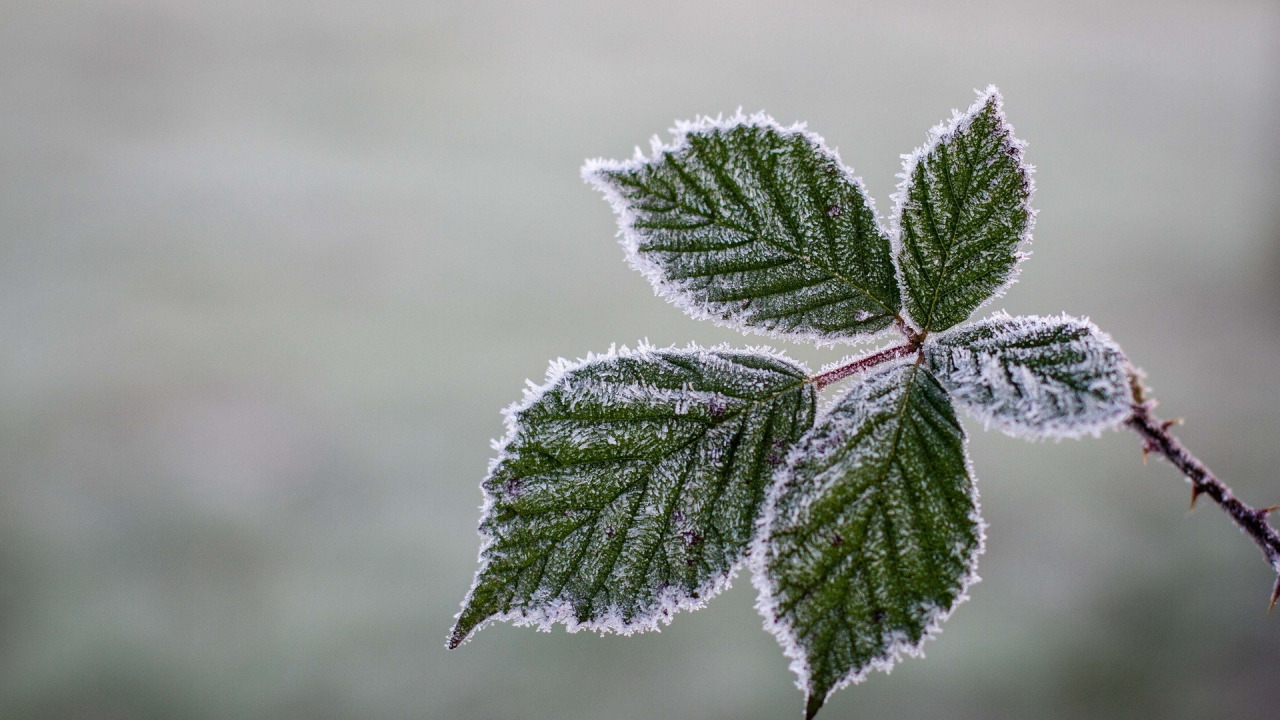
[[1034, 377], [628, 486], [870, 533], [757, 227], [961, 212]]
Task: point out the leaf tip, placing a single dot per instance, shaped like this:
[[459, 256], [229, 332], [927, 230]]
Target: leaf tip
[[457, 637], [813, 704]]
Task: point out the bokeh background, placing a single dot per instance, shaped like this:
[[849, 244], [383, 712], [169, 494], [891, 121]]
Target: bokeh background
[[270, 268]]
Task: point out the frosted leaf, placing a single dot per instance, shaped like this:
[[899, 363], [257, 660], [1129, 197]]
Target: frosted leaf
[[757, 227], [628, 486], [870, 533], [1034, 377], [961, 212]]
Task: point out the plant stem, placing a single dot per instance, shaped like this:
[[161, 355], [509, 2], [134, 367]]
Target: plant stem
[[1157, 438], [864, 363]]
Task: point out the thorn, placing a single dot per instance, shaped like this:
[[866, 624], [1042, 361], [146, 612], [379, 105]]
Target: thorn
[[1196, 492], [1264, 512], [1148, 447], [1275, 594], [1170, 423]]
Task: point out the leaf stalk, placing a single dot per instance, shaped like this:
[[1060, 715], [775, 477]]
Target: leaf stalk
[[864, 363]]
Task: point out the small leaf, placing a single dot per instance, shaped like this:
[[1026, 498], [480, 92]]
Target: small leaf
[[1034, 377], [870, 532], [757, 227], [961, 212], [628, 486]]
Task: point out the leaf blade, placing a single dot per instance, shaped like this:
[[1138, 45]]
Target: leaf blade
[[870, 533], [628, 487], [961, 214], [1034, 377], [756, 227]]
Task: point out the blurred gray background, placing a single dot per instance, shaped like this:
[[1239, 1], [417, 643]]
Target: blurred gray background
[[269, 270]]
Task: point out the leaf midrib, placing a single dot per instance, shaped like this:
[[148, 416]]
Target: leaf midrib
[[956, 206]]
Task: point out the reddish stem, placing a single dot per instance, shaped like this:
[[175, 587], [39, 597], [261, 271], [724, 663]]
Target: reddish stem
[[864, 363]]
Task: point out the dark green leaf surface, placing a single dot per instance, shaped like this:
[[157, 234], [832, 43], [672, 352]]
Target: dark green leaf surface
[[1035, 377], [962, 211], [871, 532], [755, 226], [629, 486]]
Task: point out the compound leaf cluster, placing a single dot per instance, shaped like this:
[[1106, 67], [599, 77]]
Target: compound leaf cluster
[[635, 484]]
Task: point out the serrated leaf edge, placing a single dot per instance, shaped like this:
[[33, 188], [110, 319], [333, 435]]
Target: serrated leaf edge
[[938, 133], [767, 601], [672, 291], [671, 600], [1053, 431]]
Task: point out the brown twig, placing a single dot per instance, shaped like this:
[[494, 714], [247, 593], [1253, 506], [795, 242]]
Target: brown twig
[[1156, 438]]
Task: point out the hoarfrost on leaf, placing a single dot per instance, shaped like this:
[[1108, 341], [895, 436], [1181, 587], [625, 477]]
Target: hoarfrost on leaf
[[1034, 377], [629, 485], [757, 227], [870, 533], [961, 212]]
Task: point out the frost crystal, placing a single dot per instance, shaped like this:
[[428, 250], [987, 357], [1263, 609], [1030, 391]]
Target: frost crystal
[[1034, 377], [870, 533], [629, 484], [757, 227]]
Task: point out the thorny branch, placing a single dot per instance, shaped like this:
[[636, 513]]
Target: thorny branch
[[1156, 438]]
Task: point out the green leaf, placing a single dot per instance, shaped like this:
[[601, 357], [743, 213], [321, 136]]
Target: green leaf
[[961, 212], [871, 532], [629, 485], [1034, 377], [757, 227]]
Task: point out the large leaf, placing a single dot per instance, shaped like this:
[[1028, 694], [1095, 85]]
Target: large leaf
[[1035, 377], [871, 532], [757, 227], [629, 485], [962, 210]]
